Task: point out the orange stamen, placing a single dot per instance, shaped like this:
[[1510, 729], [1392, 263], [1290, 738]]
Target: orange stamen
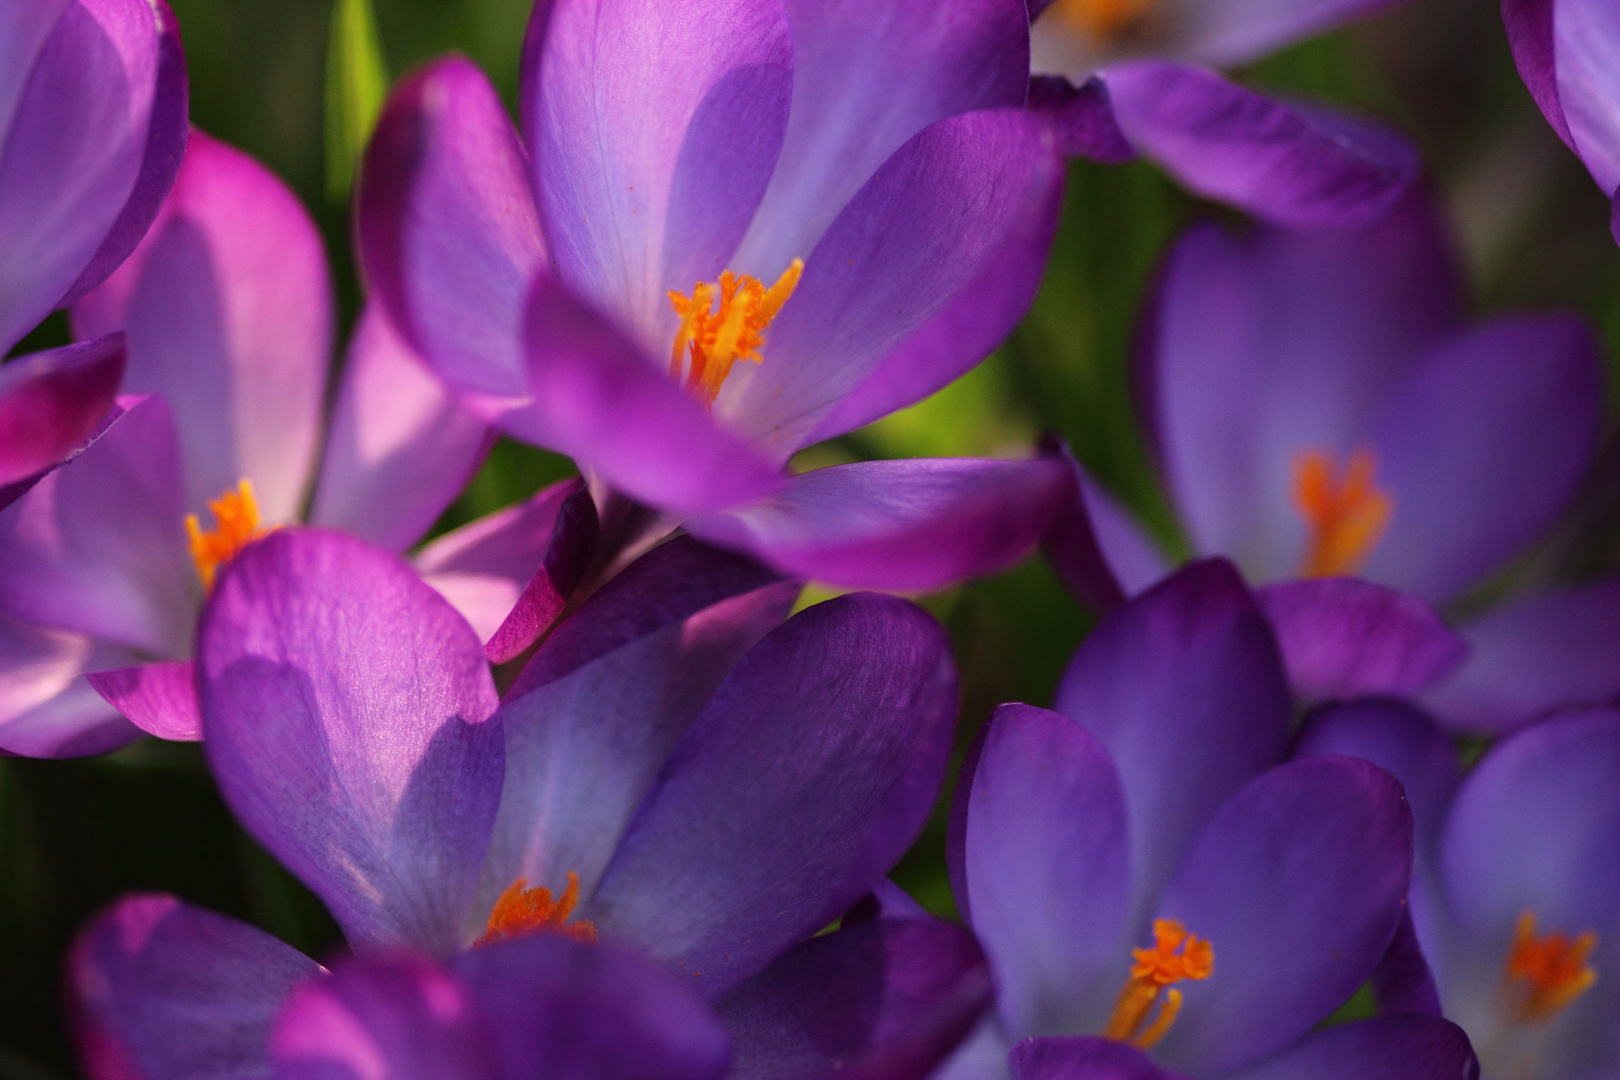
[[1345, 512], [521, 910], [710, 341], [1104, 21], [236, 514], [1545, 974], [1176, 956]]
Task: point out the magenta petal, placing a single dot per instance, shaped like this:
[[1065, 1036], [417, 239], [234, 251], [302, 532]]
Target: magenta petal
[[1286, 166], [1586, 34], [818, 759], [1082, 1059], [449, 237], [904, 525], [51, 402], [1345, 637], [568, 554], [886, 1000], [400, 447], [346, 711], [160, 699], [159, 990], [1082, 118], [24, 29], [1389, 1048]]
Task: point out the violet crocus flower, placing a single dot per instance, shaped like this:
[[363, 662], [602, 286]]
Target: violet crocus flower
[[676, 771], [1324, 416], [1516, 895], [733, 229], [1158, 893]]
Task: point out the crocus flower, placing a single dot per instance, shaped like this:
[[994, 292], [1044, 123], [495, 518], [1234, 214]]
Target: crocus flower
[[1322, 412], [1125, 77], [673, 771], [1516, 896], [732, 229], [1565, 51], [1158, 893]]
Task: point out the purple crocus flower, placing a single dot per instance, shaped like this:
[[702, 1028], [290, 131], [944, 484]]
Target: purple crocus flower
[[1160, 895], [1320, 408], [733, 229], [1516, 895], [673, 771], [1566, 52]]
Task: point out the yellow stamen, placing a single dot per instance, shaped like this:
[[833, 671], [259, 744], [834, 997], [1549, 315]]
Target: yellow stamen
[[236, 514], [521, 910], [1104, 21], [1176, 956], [1543, 975], [1345, 512], [709, 340]]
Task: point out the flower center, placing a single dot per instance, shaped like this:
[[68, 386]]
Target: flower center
[[1544, 974], [236, 517], [1175, 956], [1104, 21], [710, 340], [1345, 512], [521, 910]]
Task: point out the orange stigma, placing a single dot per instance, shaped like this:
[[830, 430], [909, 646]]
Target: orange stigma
[[1345, 511], [236, 514], [1175, 956], [708, 341], [1101, 20], [1545, 974], [520, 910]]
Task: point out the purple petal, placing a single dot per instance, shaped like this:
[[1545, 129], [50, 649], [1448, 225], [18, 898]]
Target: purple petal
[[99, 546], [1229, 33], [24, 29], [400, 448], [489, 567], [1586, 44], [53, 401], [1082, 118], [345, 710], [1403, 982], [1094, 546], [1082, 1059], [1533, 654], [47, 709], [885, 1000], [818, 760], [913, 525], [449, 237], [596, 712], [159, 990], [1284, 165], [1481, 448], [160, 699], [228, 308], [1184, 688], [1344, 637], [1299, 883], [1135, 557], [1390, 1048], [1529, 26], [1047, 870]]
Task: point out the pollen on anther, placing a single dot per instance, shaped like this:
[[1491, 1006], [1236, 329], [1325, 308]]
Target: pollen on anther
[[521, 910], [236, 517], [710, 340], [1345, 512], [1175, 956], [1546, 973]]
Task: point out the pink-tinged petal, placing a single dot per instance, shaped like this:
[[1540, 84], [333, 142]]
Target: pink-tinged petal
[[400, 448], [654, 129], [850, 113], [597, 711], [72, 153], [901, 525], [99, 546], [449, 237], [1081, 118], [1533, 654], [1482, 447], [1228, 33], [1184, 687], [1047, 870], [160, 699], [160, 990], [510, 573], [227, 305], [1299, 883], [1345, 637], [1586, 47], [603, 402], [1284, 165], [1529, 25], [1388, 1048], [47, 709], [885, 1000], [920, 277], [51, 402], [1083, 1059], [817, 760], [347, 717]]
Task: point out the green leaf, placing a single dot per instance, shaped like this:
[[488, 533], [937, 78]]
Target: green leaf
[[356, 84]]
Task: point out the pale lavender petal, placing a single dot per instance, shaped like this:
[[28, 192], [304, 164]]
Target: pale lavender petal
[[1529, 26], [47, 709], [160, 699], [1083, 1059], [1082, 118], [1389, 1048], [53, 401], [1071, 543], [1586, 48], [347, 717], [1136, 558], [400, 447], [1227, 33]]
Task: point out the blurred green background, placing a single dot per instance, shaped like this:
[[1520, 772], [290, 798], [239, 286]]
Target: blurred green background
[[1531, 225]]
